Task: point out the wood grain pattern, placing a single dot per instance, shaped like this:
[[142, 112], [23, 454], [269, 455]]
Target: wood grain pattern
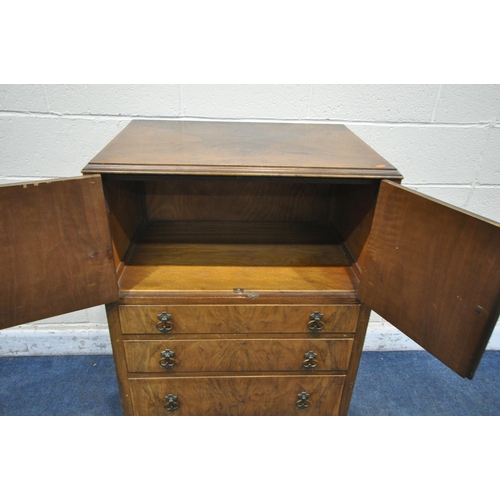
[[238, 355], [238, 319], [238, 148], [56, 254], [244, 395], [433, 272]]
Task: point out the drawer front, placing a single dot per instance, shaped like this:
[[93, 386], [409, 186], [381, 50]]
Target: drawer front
[[238, 319], [231, 355], [252, 395]]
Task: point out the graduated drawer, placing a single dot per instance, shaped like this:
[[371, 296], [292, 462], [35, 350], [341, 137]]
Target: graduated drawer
[[245, 395], [237, 319], [237, 355]]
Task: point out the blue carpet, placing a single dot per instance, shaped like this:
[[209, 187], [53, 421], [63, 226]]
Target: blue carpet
[[415, 383], [389, 383], [59, 385]]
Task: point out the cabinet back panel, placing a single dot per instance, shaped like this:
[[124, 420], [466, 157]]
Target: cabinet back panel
[[232, 200]]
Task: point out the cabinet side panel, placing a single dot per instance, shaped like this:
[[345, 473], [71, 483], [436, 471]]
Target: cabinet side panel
[[125, 206], [56, 252], [117, 345], [357, 348], [351, 214]]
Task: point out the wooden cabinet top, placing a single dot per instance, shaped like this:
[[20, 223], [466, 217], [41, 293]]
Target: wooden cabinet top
[[240, 149]]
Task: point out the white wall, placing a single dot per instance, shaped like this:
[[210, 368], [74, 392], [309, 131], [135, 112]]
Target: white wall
[[445, 140]]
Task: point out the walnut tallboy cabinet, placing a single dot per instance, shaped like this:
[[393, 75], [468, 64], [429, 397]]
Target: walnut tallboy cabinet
[[239, 262]]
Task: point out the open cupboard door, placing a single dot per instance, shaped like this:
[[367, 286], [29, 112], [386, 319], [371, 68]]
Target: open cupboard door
[[55, 246], [433, 271]]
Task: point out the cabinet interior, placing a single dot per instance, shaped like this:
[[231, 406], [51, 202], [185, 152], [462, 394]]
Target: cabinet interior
[[229, 235]]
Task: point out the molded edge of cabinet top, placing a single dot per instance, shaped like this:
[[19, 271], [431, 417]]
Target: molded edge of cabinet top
[[240, 149]]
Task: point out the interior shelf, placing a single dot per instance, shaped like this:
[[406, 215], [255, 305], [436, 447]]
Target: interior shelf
[[220, 256]]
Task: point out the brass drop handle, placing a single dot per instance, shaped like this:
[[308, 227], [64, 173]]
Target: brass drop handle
[[309, 361], [303, 402], [164, 326], [167, 361], [171, 404], [315, 325]]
